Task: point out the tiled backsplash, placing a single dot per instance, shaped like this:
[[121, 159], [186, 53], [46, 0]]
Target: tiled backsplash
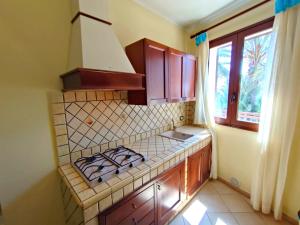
[[87, 122]]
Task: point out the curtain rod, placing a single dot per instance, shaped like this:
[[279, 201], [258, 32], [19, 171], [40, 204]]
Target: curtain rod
[[230, 18]]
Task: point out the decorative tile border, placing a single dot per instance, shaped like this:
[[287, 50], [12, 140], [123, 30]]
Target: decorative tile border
[[86, 122]]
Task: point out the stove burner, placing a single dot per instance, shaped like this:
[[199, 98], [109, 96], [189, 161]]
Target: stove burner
[[123, 156], [90, 159], [102, 166]]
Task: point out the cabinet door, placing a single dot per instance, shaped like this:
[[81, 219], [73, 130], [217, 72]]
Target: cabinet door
[[205, 163], [170, 193], [175, 75], [194, 172], [199, 165], [189, 77], [156, 72]]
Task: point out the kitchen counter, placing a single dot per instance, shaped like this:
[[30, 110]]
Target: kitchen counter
[[161, 153]]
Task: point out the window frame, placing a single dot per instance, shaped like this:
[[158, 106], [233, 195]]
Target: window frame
[[237, 39]]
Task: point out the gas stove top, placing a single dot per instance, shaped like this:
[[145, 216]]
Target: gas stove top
[[102, 166]]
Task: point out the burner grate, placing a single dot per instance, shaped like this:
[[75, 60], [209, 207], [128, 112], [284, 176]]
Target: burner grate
[[102, 166], [123, 156]]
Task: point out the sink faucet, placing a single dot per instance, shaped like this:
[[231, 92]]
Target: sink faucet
[[173, 124]]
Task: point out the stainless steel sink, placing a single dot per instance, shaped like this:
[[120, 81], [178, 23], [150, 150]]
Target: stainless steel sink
[[176, 135]]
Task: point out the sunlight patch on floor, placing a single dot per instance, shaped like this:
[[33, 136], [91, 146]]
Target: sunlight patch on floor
[[196, 208], [220, 222]]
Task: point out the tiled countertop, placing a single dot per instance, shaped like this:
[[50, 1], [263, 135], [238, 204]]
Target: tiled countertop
[[161, 153]]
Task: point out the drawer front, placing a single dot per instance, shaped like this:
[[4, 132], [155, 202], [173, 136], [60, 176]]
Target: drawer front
[[142, 216], [148, 219], [129, 207]]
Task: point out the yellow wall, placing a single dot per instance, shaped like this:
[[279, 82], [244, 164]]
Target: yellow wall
[[238, 149], [132, 22], [34, 44]]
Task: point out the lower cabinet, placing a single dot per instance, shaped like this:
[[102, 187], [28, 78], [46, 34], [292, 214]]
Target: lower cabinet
[[199, 165], [158, 201], [154, 203], [170, 193]]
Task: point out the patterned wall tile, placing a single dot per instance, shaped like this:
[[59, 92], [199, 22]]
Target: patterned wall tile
[[87, 119]]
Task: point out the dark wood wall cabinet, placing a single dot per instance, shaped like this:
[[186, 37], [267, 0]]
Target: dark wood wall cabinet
[[170, 74], [156, 202], [189, 76]]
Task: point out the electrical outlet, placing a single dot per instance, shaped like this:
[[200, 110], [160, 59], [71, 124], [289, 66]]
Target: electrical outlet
[[235, 182]]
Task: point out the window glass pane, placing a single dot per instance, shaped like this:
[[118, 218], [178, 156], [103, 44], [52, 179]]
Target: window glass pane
[[219, 66], [252, 75]]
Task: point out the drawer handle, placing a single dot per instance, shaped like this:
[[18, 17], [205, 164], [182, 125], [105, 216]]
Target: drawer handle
[[158, 187], [134, 206], [134, 221]]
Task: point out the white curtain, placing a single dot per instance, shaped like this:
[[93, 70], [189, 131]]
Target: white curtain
[[279, 113], [204, 109]]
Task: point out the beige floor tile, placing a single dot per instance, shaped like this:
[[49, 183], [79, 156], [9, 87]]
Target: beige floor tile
[[222, 188], [208, 189], [204, 220], [222, 218], [248, 219], [217, 204], [236, 203], [213, 203]]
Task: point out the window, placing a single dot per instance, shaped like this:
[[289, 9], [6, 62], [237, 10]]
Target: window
[[238, 63]]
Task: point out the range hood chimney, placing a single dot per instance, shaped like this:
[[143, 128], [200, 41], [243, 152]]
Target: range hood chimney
[[97, 59]]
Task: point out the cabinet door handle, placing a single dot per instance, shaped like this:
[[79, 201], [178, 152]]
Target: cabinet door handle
[[134, 206], [158, 187]]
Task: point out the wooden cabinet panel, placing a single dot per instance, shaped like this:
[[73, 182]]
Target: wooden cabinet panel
[[142, 215], [156, 61], [151, 59], [175, 75], [194, 173], [132, 209], [149, 219], [199, 165], [170, 188], [205, 163], [189, 77]]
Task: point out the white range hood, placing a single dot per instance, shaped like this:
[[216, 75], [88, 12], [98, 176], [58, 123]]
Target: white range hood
[[97, 59], [93, 42]]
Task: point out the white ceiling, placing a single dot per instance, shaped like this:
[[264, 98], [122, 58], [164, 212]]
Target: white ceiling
[[187, 12]]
